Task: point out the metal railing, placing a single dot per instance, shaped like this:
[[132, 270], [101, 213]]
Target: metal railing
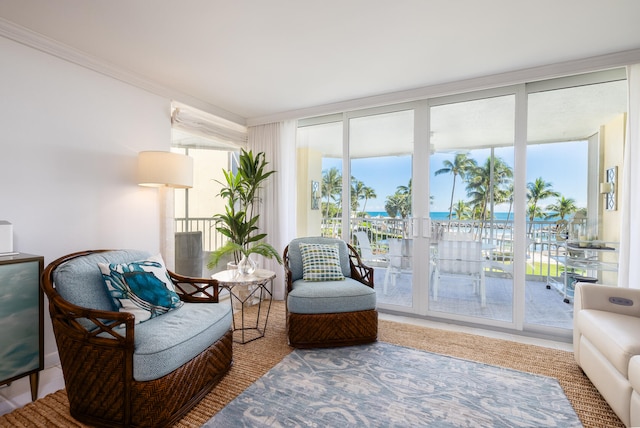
[[544, 257], [211, 238]]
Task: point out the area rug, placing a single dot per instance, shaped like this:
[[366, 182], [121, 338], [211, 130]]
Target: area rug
[[253, 360], [382, 385]]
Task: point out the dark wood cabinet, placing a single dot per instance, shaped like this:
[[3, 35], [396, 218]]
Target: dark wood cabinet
[[21, 319]]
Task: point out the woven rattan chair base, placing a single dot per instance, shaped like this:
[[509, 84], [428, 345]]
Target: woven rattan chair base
[[335, 329], [98, 400]]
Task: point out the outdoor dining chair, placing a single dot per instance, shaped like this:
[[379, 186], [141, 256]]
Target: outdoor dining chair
[[462, 259]]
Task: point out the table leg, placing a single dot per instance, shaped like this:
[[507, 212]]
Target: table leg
[[34, 379]]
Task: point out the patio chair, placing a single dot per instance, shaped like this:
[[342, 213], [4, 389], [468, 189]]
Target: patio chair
[[497, 261], [330, 300], [394, 265], [366, 252], [460, 258]]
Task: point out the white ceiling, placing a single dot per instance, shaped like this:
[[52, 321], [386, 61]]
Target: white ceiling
[[258, 58]]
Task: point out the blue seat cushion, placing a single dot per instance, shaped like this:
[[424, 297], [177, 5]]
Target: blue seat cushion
[[167, 342], [330, 297]]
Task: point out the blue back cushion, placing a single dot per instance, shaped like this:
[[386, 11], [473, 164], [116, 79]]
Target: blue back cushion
[[79, 281], [295, 257]]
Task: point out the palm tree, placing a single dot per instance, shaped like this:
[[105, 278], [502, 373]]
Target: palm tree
[[405, 206], [357, 189], [460, 166], [536, 192], [488, 181], [462, 210], [392, 204], [368, 193], [533, 211], [359, 192], [331, 186], [562, 208], [399, 202], [404, 190], [508, 194], [405, 199]]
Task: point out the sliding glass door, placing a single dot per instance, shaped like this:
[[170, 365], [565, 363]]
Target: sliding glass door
[[319, 177], [465, 204], [381, 155], [575, 137], [471, 188]]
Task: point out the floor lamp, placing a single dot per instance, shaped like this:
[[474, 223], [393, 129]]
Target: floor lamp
[[166, 171]]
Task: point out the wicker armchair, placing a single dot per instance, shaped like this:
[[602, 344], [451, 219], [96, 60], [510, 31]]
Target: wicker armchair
[[329, 313], [97, 346]]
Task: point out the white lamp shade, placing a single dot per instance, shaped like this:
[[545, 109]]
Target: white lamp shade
[[165, 169]]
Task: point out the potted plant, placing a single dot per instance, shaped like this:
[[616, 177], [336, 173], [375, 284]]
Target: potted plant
[[239, 221]]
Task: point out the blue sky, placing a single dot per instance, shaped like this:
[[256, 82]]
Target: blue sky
[[562, 164]]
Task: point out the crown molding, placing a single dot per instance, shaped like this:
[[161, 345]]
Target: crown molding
[[32, 39]]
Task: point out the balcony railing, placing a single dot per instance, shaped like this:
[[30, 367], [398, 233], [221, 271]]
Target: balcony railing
[[544, 245], [211, 238]]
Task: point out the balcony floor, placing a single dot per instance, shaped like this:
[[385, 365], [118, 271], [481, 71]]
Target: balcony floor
[[456, 295]]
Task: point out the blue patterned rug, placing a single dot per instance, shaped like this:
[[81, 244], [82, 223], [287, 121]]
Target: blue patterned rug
[[383, 385]]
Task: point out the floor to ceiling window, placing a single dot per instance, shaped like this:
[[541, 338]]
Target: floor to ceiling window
[[509, 177], [381, 154], [575, 134], [374, 197], [319, 166], [471, 186]]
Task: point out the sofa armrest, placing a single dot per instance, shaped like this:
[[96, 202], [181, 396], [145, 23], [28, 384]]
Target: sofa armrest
[[624, 301], [619, 300], [101, 328], [195, 290]]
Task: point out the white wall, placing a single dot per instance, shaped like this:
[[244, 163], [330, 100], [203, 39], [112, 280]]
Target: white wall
[[69, 139]]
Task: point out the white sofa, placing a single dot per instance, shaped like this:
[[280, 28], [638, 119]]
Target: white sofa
[[606, 343]]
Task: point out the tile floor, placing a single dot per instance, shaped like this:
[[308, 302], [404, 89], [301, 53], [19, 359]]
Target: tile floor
[[18, 393]]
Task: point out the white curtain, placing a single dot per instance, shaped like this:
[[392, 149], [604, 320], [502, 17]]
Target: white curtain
[[277, 211], [629, 266]]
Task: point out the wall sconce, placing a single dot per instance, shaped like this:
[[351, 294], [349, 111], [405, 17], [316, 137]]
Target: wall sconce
[[608, 188], [156, 169], [315, 195]]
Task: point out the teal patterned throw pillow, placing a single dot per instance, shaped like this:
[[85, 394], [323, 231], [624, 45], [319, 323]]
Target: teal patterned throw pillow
[[321, 262], [142, 287]]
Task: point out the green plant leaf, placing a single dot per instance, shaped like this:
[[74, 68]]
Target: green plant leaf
[[238, 223]]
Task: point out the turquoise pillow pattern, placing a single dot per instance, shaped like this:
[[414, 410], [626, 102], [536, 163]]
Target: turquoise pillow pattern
[[320, 262], [142, 287]]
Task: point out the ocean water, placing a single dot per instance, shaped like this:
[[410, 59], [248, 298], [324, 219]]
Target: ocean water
[[439, 215]]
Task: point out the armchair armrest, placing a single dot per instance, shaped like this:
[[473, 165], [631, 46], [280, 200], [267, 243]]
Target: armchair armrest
[[195, 290], [288, 278], [625, 301], [92, 326], [359, 271]]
